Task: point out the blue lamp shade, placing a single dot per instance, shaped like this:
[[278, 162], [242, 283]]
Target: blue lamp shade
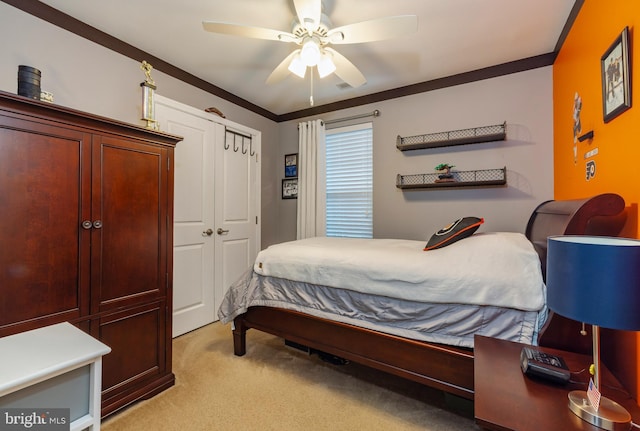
[[595, 280]]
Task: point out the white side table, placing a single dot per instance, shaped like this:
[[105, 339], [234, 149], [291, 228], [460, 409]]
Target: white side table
[[57, 366]]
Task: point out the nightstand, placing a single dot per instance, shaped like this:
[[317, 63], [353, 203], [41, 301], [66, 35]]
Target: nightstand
[[506, 399]]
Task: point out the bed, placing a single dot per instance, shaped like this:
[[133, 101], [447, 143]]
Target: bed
[[443, 363]]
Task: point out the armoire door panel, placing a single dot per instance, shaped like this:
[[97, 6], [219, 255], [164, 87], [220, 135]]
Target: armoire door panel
[[128, 200], [45, 253], [137, 339]]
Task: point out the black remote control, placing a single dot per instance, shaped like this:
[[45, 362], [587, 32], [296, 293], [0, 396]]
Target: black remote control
[[544, 365]]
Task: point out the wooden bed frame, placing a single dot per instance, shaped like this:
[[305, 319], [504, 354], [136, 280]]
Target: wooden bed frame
[[440, 366]]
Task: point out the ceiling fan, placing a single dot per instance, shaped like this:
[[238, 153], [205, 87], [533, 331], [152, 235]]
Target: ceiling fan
[[313, 33]]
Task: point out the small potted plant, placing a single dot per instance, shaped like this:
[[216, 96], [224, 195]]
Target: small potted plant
[[446, 175]]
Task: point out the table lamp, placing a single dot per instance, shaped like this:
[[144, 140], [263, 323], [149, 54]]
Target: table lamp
[[596, 280]]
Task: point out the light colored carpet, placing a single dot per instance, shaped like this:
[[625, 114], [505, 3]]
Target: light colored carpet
[[275, 387]]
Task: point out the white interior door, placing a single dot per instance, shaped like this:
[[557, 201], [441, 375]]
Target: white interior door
[[215, 188], [236, 205], [193, 249]]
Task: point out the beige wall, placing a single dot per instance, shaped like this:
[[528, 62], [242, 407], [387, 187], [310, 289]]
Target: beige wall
[[88, 77], [523, 100]]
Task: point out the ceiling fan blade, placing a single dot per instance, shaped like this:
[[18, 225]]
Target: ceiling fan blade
[[309, 13], [346, 70], [376, 29], [248, 31], [282, 70]]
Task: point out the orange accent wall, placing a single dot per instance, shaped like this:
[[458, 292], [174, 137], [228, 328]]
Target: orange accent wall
[[577, 69]]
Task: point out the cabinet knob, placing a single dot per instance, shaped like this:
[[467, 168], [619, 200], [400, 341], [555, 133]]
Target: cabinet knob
[[86, 224], [97, 224]]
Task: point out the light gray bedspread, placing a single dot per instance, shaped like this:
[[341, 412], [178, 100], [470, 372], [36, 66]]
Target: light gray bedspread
[[452, 324]]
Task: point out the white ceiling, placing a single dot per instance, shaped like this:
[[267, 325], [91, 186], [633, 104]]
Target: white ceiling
[[453, 36]]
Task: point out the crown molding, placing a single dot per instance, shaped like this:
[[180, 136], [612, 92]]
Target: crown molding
[[67, 22]]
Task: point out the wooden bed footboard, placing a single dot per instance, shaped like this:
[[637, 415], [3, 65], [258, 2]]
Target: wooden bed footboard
[[443, 367]]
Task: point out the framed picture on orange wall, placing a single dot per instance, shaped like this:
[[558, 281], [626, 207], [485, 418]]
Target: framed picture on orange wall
[[616, 79]]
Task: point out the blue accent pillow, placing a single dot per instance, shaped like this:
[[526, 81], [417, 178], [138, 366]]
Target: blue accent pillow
[[459, 229]]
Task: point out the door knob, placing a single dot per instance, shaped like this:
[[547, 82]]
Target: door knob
[[207, 232], [222, 231]]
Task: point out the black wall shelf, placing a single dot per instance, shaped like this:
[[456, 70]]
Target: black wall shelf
[[475, 135], [478, 178]]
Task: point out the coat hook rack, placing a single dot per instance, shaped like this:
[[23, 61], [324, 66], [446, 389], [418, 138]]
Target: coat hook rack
[[239, 142]]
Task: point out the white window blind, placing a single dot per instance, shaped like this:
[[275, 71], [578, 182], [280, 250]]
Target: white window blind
[[349, 207]]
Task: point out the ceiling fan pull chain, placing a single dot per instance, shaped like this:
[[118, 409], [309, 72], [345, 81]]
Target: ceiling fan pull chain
[[311, 97]]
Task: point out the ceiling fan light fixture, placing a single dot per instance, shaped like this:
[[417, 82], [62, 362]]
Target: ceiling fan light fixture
[[313, 33], [326, 66], [297, 66], [310, 52]]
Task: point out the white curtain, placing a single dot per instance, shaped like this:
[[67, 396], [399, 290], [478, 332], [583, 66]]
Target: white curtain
[[311, 179]]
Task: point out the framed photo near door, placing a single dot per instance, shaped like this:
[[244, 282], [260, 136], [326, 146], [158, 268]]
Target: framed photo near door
[[290, 188], [616, 80], [291, 165]]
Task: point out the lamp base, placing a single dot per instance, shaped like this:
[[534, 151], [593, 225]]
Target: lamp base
[[610, 415]]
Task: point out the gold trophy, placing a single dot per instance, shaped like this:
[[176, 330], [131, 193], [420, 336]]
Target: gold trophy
[[148, 89]]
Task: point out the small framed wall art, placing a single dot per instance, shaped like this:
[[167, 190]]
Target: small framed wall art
[[616, 80], [290, 188], [291, 165]]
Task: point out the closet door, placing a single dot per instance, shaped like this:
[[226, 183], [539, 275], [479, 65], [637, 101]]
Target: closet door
[[193, 240], [44, 199], [237, 205], [217, 207]]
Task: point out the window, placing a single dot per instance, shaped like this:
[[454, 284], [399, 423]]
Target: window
[[349, 165]]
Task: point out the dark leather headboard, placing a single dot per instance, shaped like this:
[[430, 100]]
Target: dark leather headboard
[[601, 215]]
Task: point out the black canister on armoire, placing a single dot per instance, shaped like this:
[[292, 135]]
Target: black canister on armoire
[[29, 82]]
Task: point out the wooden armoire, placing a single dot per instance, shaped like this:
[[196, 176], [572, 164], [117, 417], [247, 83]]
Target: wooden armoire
[[86, 236]]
